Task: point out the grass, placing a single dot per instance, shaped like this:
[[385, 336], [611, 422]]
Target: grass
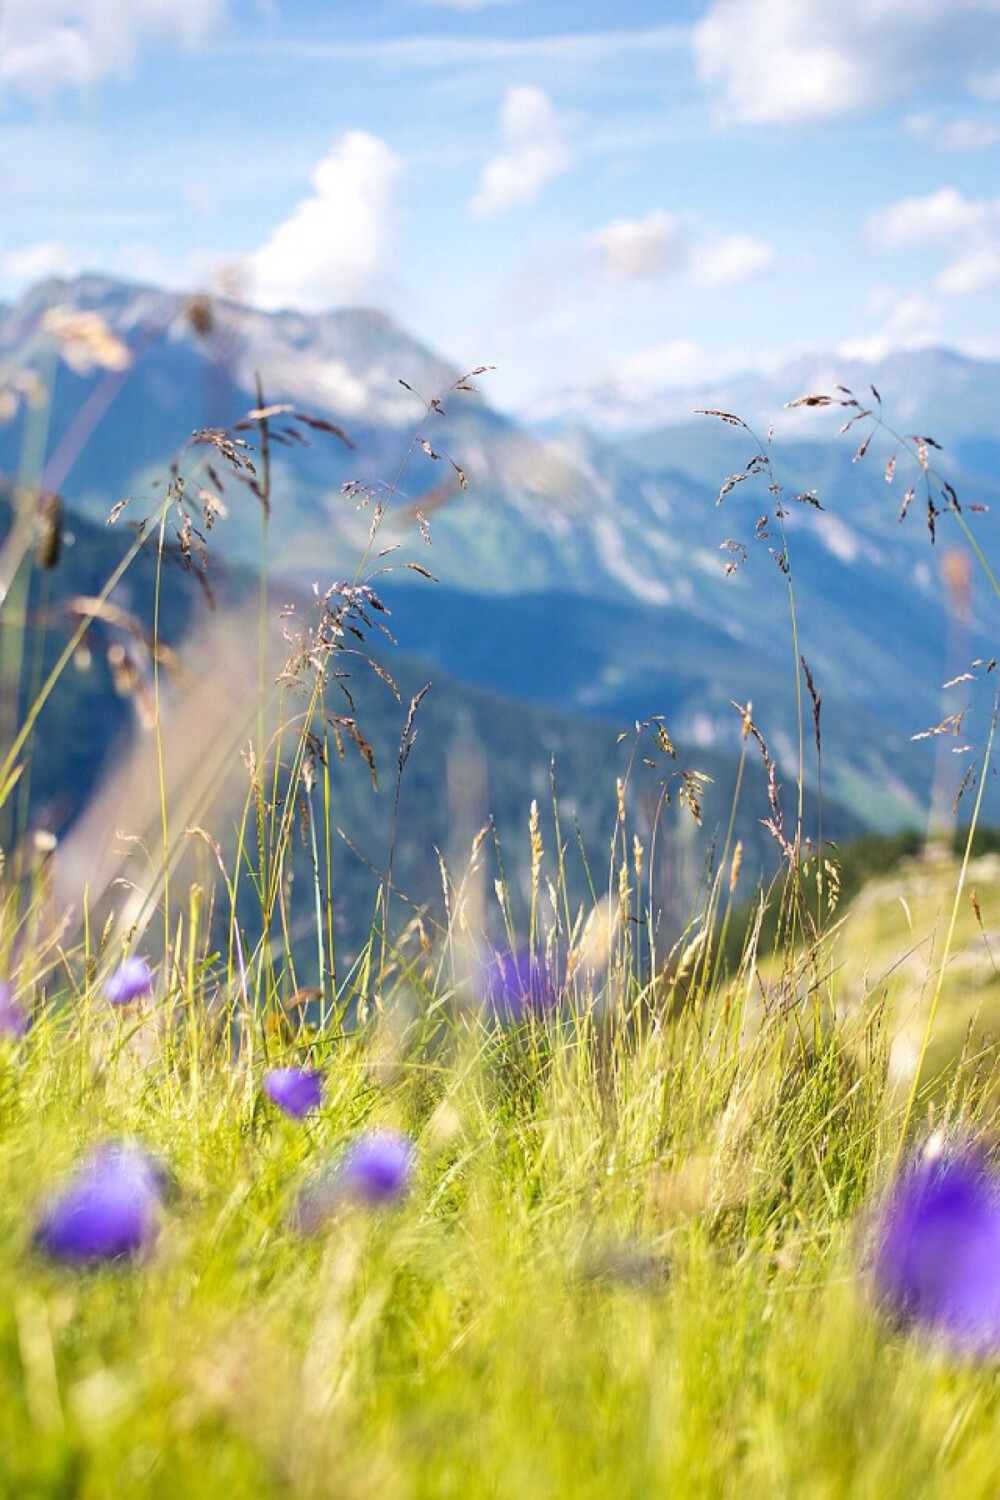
[[891, 945], [622, 1268], [633, 1257]]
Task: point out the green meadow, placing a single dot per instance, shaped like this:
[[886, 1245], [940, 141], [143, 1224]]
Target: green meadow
[[633, 1255]]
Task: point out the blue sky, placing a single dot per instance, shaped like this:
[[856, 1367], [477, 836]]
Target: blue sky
[[591, 197]]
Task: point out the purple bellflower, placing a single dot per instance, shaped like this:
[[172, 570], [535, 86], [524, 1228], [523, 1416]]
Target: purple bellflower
[[130, 981], [107, 1211], [294, 1090], [375, 1169], [937, 1252], [14, 1019]]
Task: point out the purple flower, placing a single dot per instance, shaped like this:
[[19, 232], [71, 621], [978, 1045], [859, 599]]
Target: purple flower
[[108, 1209], [130, 981], [14, 1018], [516, 984], [295, 1090], [375, 1169], [937, 1252]]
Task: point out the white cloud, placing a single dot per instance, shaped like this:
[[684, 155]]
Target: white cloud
[[975, 271], [676, 362], [967, 230], [31, 263], [637, 249], [903, 322], [631, 249], [334, 243], [942, 216], [800, 61], [728, 260], [46, 44], [972, 134], [533, 151]]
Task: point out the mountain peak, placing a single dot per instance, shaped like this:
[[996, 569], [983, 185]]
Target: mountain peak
[[349, 362]]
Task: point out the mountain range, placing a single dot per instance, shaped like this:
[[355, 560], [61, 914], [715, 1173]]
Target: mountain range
[[593, 577]]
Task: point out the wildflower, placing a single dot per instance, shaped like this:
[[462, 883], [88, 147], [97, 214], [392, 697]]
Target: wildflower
[[294, 1090], [377, 1167], [515, 984], [130, 981], [374, 1170], [108, 1209], [14, 1018], [937, 1254]]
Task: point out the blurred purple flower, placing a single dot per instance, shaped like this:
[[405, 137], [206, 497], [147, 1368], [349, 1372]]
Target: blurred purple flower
[[375, 1169], [937, 1252], [14, 1019], [130, 981], [294, 1090], [107, 1210], [516, 984]]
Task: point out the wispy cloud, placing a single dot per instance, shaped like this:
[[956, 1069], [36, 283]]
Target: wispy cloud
[[908, 321], [641, 388], [971, 133], [966, 230], [336, 240], [48, 44], [451, 50], [673, 363], [533, 150]]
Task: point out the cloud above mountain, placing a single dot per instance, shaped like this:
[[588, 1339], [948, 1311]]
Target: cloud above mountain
[[30, 263], [336, 240]]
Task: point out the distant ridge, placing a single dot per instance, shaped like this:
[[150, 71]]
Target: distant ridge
[[957, 393]]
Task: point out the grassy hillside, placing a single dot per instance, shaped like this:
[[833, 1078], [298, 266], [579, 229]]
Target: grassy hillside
[[907, 943]]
